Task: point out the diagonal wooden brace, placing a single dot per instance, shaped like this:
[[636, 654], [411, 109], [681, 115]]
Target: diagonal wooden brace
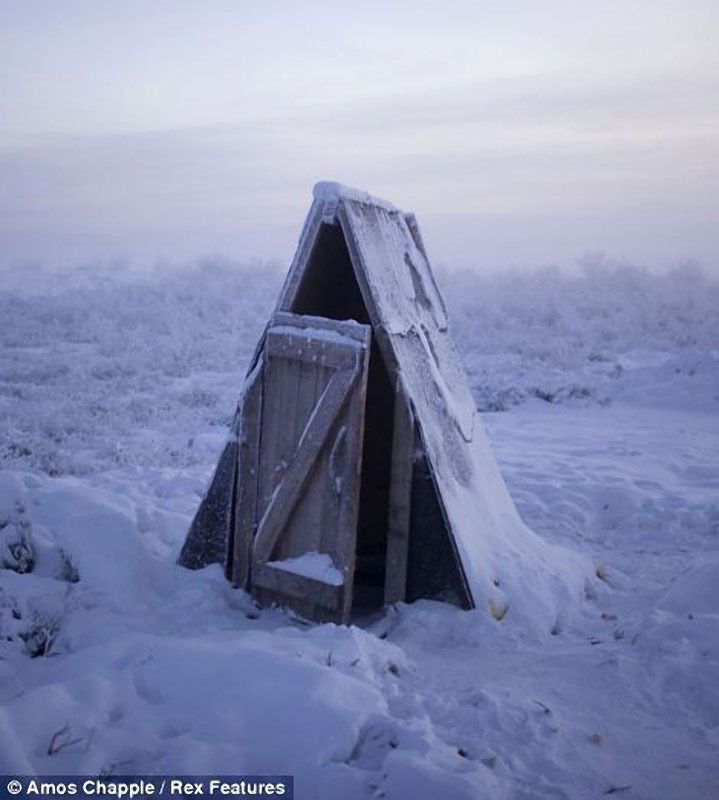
[[299, 471]]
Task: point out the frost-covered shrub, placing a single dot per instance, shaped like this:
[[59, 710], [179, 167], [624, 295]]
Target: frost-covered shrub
[[93, 360], [17, 551], [591, 313], [32, 625], [559, 336], [100, 368], [68, 571], [40, 631], [10, 616]]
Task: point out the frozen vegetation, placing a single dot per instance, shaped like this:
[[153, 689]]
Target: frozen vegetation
[[602, 396]]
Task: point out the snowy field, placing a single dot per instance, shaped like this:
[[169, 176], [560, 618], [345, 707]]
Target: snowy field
[[601, 393]]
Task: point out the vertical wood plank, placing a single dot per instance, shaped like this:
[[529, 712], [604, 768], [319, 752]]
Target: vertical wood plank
[[278, 422], [299, 469], [350, 471], [331, 484], [246, 489], [302, 528], [318, 515], [399, 498]]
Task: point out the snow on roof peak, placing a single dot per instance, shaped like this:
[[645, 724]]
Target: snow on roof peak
[[329, 190]]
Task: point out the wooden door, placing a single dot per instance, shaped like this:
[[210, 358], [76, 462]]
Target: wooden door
[[302, 458]]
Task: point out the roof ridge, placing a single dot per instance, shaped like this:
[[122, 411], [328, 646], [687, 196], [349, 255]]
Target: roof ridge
[[332, 191]]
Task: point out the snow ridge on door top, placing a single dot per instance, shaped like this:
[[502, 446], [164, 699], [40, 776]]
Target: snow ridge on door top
[[307, 462]]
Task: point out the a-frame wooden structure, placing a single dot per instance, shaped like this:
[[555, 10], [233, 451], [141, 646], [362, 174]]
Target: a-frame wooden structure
[[357, 473]]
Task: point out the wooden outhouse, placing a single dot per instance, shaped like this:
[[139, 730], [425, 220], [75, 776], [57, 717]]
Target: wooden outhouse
[[357, 473]]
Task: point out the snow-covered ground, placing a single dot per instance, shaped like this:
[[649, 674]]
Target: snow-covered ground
[[602, 393]]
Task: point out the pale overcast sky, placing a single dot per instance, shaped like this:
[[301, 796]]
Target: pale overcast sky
[[519, 132]]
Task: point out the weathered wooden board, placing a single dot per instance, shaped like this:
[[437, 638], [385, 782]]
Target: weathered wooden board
[[348, 329], [299, 587], [245, 510], [282, 342], [309, 458], [403, 447]]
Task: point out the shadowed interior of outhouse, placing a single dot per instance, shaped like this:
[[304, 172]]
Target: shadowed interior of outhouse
[[329, 289]]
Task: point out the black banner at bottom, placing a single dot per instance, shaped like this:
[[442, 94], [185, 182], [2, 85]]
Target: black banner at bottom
[[138, 787]]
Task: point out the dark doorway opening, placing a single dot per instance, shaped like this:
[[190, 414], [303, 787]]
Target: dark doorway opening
[[329, 289]]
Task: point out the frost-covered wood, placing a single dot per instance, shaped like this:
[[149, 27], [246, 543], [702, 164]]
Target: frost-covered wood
[[298, 471], [239, 556], [309, 459], [400, 498]]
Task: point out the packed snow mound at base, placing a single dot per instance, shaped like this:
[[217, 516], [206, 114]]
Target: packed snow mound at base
[[116, 391]]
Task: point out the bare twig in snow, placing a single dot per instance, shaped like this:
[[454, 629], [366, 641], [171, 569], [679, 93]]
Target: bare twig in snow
[[545, 708], [61, 740]]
